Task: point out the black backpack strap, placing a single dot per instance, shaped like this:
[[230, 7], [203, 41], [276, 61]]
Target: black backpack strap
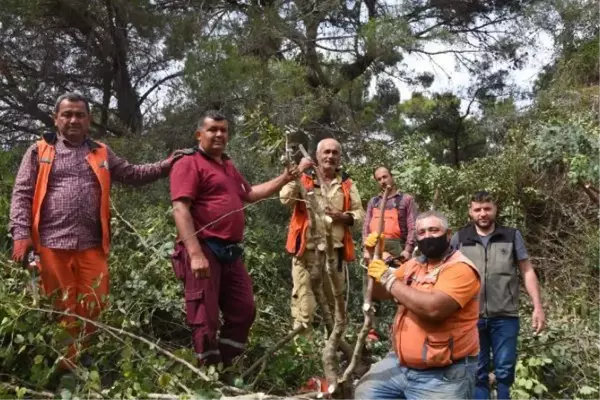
[[398, 201], [376, 201], [401, 216]]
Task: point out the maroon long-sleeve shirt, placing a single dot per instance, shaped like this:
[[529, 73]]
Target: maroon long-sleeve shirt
[[70, 215]]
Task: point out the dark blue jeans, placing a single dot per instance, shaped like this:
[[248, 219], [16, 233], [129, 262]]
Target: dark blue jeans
[[500, 336]]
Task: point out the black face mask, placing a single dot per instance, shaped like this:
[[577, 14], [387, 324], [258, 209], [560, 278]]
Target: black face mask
[[433, 247]]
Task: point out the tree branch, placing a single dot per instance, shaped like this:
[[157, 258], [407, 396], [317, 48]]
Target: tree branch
[[49, 395], [367, 306], [591, 191], [156, 85], [272, 350], [116, 331]]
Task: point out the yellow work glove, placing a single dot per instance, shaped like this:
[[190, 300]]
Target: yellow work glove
[[382, 273], [371, 240]]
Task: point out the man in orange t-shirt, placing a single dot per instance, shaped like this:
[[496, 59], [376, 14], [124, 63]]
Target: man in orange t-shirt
[[435, 339]]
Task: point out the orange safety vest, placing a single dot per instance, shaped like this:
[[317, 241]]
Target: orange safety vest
[[296, 239], [422, 344], [98, 160], [391, 223]]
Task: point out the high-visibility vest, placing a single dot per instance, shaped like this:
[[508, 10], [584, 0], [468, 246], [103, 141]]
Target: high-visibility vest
[[98, 160], [296, 239], [391, 219], [423, 344]]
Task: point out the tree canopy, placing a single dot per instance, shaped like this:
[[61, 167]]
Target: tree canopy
[[299, 71]]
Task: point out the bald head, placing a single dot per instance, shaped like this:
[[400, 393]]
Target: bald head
[[329, 152], [329, 142]]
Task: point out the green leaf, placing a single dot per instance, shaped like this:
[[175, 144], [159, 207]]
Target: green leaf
[[238, 382], [94, 376], [21, 391], [587, 390], [539, 389], [38, 359], [164, 380], [19, 339]]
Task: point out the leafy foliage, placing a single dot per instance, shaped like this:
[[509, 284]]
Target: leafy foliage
[[310, 70]]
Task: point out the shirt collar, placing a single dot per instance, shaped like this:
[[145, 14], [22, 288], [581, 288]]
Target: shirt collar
[[397, 192], [91, 144], [336, 179], [224, 156]]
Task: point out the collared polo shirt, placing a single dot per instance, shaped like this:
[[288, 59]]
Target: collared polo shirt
[[217, 192]]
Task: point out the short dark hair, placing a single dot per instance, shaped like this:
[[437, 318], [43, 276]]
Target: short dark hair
[[72, 97], [379, 167], [212, 114], [483, 196]]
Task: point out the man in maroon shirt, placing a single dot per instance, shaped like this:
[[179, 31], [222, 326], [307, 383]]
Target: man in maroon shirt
[[208, 195], [60, 206]]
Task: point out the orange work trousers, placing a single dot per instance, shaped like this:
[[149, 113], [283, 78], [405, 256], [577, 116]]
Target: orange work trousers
[[79, 281]]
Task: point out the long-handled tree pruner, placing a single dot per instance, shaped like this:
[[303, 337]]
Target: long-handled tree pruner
[[368, 294]]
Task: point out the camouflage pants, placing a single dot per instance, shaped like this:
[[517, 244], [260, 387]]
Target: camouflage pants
[[312, 286]]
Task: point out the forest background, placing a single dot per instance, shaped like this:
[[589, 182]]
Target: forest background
[[310, 69]]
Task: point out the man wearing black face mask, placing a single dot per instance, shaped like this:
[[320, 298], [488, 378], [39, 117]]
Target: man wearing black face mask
[[435, 339]]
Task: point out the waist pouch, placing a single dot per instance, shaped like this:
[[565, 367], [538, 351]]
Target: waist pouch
[[226, 252]]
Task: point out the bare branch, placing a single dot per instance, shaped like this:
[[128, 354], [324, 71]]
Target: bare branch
[[156, 85], [272, 350]]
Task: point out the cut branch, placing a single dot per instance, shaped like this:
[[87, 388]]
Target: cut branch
[[108, 328], [49, 395], [367, 306], [272, 350]]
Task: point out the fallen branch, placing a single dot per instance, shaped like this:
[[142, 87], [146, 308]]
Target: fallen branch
[[339, 326], [27, 391], [108, 328], [130, 226], [260, 372], [49, 395], [591, 192], [114, 331], [262, 396], [367, 306], [273, 349]]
